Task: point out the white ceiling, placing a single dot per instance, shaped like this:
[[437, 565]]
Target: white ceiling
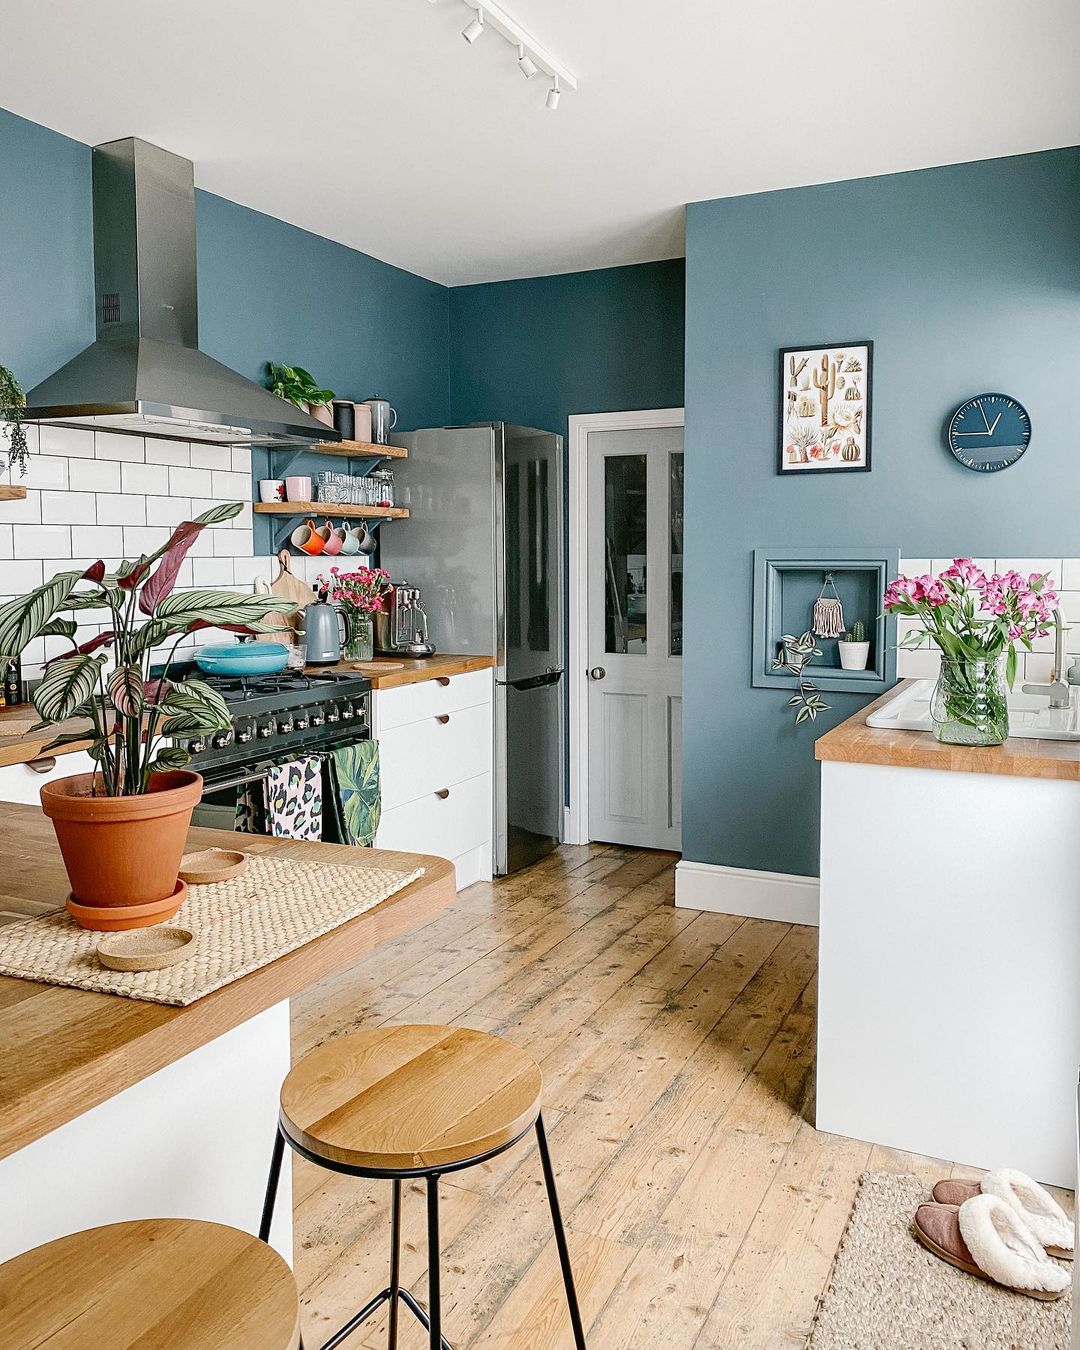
[[372, 122]]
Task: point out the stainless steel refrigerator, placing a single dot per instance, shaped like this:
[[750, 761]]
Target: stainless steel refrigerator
[[485, 545]]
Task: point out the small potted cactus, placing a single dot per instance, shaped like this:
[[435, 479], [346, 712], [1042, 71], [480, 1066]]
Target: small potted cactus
[[854, 648]]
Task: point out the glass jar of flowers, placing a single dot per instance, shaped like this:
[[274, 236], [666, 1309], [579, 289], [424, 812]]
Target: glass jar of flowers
[[977, 621], [359, 596]]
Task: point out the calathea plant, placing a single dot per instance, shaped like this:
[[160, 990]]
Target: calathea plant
[[106, 680]]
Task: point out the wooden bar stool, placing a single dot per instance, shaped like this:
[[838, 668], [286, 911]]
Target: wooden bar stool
[[414, 1101], [150, 1284]]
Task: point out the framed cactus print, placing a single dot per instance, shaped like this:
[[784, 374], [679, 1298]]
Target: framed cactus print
[[825, 405]]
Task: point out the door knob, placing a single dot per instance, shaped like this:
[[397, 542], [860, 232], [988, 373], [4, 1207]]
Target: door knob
[[597, 673]]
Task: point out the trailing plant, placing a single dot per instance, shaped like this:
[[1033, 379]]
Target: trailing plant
[[12, 403], [106, 680], [794, 655], [857, 633], [297, 385]]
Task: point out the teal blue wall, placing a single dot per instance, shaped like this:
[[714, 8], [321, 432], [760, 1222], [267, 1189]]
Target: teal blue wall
[[267, 290], [536, 351], [967, 278]]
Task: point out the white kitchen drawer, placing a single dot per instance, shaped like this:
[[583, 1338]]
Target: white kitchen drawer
[[429, 698], [443, 826], [420, 757], [20, 783]]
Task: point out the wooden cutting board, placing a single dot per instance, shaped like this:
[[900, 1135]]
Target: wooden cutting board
[[286, 586]]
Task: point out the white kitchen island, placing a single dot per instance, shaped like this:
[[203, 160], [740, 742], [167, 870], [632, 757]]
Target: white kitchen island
[[949, 1009]]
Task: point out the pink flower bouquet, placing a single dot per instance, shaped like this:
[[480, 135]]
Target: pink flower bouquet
[[361, 591]]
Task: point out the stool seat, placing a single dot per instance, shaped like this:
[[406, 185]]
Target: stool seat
[[151, 1284], [400, 1098]]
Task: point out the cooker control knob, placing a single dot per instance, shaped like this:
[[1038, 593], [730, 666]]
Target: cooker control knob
[[333, 716], [347, 714], [222, 739], [244, 736], [196, 747], [301, 724], [266, 730], [317, 719]]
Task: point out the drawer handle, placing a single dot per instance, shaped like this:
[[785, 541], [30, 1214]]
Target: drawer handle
[[442, 794], [442, 718], [45, 764], [444, 680]]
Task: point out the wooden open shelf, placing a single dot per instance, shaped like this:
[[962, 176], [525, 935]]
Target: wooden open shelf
[[11, 492], [354, 450], [344, 509]]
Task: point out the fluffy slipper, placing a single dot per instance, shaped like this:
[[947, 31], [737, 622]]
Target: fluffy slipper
[[1037, 1207], [1003, 1247]]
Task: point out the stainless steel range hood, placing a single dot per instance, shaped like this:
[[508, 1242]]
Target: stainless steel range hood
[[145, 374]]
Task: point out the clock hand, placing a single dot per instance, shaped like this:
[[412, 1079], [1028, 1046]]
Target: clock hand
[[997, 419], [986, 424], [976, 433]]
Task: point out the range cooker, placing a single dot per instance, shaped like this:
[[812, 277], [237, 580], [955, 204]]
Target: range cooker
[[275, 718]]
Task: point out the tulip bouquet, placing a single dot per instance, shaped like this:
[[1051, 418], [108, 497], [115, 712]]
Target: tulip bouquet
[[977, 621]]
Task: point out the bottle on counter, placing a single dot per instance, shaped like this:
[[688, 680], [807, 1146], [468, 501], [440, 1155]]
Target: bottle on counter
[[13, 683]]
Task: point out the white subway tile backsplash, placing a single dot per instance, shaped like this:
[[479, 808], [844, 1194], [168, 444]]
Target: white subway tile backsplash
[[118, 445], [98, 541], [1038, 665], [46, 471], [210, 456], [7, 541], [145, 479], [117, 508], [94, 475], [1025, 566], [241, 458], [231, 486], [189, 483], [24, 511], [68, 508], [212, 571], [18, 577], [71, 442], [245, 519], [43, 541], [144, 539], [230, 543], [167, 452], [167, 510], [249, 570], [920, 664]]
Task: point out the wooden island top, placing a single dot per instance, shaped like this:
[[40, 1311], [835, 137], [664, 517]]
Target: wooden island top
[[853, 742], [64, 1051]]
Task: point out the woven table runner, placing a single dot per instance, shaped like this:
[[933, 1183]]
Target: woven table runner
[[274, 906]]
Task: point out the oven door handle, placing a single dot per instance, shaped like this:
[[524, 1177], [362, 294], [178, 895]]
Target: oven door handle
[[257, 777]]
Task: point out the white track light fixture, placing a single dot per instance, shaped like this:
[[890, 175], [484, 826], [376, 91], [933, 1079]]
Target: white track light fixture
[[532, 58], [474, 29], [526, 64]]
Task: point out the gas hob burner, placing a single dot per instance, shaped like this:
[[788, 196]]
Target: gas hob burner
[[236, 688]]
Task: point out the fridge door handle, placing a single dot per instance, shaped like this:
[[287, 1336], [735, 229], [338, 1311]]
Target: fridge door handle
[[549, 677]]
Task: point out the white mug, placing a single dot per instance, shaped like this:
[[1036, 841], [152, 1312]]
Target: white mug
[[271, 489]]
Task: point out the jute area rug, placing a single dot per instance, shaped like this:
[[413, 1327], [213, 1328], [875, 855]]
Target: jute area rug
[[886, 1292]]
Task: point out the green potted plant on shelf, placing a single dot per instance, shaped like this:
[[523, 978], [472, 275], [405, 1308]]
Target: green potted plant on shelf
[[298, 386], [854, 648], [12, 403], [122, 828]]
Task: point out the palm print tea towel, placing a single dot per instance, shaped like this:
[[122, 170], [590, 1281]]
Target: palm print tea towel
[[358, 797]]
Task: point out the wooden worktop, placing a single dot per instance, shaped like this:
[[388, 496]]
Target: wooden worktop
[[853, 742], [63, 1051], [409, 670], [19, 745]]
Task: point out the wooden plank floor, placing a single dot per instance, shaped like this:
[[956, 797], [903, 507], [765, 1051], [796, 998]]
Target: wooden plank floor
[[677, 1049]]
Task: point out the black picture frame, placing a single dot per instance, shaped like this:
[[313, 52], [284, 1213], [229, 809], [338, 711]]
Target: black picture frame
[[784, 466]]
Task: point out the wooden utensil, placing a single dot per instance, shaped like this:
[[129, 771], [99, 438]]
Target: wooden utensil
[[377, 667], [146, 948], [289, 587], [210, 865]]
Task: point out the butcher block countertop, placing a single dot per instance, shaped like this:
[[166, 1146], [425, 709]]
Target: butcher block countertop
[[853, 742], [63, 1051], [399, 670], [19, 745]]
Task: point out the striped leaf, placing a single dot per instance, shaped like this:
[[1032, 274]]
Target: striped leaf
[[24, 619], [125, 686], [170, 757], [193, 706], [181, 611], [67, 687]]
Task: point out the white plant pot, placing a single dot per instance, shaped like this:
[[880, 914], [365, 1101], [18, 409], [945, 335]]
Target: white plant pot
[[854, 655]]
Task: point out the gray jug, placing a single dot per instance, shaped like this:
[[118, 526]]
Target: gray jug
[[324, 630]]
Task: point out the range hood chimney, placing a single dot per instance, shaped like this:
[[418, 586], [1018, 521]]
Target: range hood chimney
[[144, 374]]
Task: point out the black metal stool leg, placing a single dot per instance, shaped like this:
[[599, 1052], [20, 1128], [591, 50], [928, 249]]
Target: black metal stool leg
[[395, 1263], [272, 1187], [560, 1235], [434, 1280]]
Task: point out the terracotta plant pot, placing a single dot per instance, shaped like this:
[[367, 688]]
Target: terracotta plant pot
[[321, 413], [123, 852]]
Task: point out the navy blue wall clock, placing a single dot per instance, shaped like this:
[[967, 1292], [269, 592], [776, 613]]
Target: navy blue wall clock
[[989, 432]]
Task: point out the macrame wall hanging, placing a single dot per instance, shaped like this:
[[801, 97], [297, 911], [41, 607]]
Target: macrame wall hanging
[[828, 611]]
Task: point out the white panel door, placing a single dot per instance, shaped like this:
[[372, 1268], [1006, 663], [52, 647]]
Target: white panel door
[[635, 513]]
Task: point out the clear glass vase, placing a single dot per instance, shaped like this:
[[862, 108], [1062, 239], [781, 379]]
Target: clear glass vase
[[969, 704], [360, 643]]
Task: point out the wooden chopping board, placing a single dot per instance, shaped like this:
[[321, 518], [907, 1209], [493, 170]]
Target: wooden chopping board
[[286, 586]]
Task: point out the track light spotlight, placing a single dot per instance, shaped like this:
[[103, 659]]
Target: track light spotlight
[[474, 29], [554, 94], [526, 64]]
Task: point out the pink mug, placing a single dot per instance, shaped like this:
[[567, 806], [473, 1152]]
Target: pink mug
[[298, 488], [334, 539]]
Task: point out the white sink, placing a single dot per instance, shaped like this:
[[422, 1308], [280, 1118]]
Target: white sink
[[1030, 717]]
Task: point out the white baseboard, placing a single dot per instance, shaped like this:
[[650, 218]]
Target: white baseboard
[[741, 890]]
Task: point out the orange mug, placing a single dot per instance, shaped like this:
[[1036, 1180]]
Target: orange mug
[[307, 538]]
